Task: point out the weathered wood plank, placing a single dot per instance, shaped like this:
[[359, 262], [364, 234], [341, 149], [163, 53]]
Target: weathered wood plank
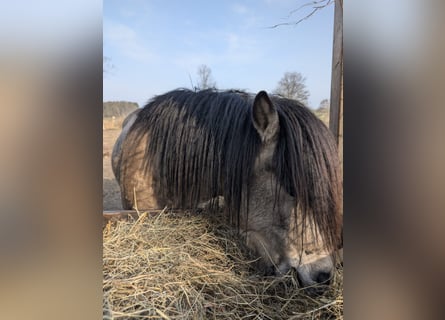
[[336, 107]]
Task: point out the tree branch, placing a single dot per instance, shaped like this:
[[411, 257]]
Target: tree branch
[[314, 3], [315, 8]]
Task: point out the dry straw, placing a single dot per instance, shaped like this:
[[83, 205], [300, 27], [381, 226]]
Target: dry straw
[[183, 266]]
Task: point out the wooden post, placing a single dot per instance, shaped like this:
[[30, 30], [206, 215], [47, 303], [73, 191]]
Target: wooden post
[[336, 108]]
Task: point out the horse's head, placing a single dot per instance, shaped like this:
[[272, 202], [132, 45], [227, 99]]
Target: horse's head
[[285, 227]]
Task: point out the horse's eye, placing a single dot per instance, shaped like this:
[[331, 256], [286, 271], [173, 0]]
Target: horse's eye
[[308, 251], [268, 167]]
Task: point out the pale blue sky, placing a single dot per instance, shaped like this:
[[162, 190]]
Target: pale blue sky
[[156, 44]]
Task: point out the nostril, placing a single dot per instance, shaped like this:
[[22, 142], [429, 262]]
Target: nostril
[[269, 271], [323, 277]]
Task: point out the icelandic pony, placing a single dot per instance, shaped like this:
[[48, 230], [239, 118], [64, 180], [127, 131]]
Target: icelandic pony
[[272, 160]]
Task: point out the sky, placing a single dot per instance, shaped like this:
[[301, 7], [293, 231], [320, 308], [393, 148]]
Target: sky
[[155, 46]]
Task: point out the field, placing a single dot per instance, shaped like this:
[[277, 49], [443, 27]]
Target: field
[[178, 265], [111, 193]]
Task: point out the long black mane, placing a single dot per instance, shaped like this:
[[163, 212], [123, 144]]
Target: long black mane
[[203, 144]]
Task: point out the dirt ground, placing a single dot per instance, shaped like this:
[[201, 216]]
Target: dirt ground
[[110, 192]]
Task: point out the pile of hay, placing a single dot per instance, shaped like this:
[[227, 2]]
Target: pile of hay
[[183, 266]]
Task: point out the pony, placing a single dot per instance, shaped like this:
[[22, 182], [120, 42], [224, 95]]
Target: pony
[[270, 159]]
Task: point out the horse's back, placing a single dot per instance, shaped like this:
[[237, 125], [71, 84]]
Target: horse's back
[[116, 156], [128, 167]]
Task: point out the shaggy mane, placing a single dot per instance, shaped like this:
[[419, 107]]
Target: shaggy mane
[[203, 144]]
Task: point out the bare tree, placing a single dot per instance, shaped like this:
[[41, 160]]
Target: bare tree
[[205, 80], [107, 65], [292, 86], [324, 105]]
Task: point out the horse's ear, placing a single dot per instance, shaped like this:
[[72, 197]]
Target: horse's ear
[[265, 117]]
